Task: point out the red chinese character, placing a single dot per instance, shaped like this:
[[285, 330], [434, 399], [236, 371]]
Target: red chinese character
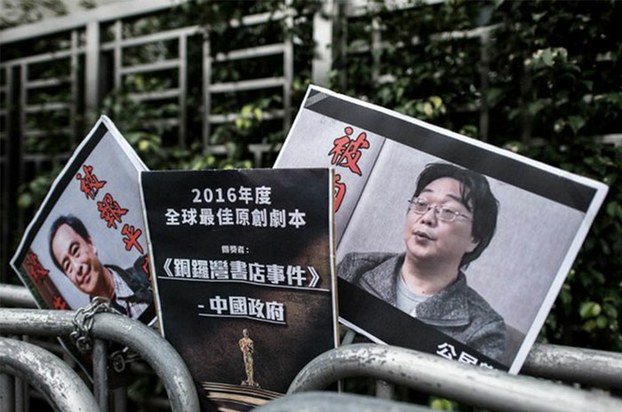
[[131, 237], [60, 303], [340, 191], [347, 152], [110, 211], [89, 184], [145, 265], [33, 266]]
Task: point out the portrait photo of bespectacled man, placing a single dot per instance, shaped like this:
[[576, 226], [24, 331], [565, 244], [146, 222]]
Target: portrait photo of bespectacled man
[[450, 220], [75, 254], [445, 244]]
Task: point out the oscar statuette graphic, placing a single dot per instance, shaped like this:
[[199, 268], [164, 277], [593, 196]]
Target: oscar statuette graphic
[[248, 349]]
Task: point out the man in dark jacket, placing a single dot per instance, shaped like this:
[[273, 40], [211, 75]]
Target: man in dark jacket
[[451, 220]]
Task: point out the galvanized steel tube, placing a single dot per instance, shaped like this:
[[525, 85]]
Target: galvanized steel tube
[[437, 376], [155, 350], [100, 373], [7, 392], [60, 385], [329, 401], [18, 296], [588, 366]]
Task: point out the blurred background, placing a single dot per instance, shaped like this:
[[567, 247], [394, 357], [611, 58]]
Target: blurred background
[[216, 84]]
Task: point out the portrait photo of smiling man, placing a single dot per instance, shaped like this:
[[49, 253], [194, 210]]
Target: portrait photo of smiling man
[[87, 238], [74, 253], [450, 220]]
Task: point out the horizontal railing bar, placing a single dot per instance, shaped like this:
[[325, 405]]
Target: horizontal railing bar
[[359, 9], [264, 147], [50, 344], [162, 122], [151, 67], [41, 132], [36, 84], [431, 374], [154, 349], [222, 118], [342, 402], [217, 149], [173, 34], [615, 138], [45, 57], [247, 85], [80, 19], [259, 51], [44, 107], [230, 117], [259, 18], [588, 366], [416, 40], [585, 366], [44, 157], [155, 95], [14, 295]]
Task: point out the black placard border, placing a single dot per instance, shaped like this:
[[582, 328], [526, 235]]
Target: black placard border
[[474, 157]]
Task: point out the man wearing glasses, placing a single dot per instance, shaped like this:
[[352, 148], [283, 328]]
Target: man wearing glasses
[[450, 221]]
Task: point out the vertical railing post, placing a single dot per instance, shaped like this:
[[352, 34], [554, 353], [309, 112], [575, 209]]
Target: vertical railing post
[[100, 375], [120, 399], [75, 95], [484, 69], [118, 36], [9, 173], [92, 69], [207, 97], [7, 392], [21, 103], [288, 67], [183, 88], [323, 40], [376, 50], [340, 42]]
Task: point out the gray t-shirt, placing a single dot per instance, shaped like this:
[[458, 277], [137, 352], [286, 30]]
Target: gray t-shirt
[[407, 300]]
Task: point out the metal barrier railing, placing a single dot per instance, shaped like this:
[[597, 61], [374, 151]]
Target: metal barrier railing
[[491, 389], [585, 366], [330, 401], [17, 296], [155, 350], [576, 365], [569, 364], [59, 384]]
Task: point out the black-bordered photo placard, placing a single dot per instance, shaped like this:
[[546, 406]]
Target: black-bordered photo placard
[[445, 244], [88, 239]]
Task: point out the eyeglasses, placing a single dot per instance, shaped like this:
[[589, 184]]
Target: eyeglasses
[[446, 214]]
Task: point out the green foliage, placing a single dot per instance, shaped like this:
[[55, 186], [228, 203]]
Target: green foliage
[[17, 12], [440, 404], [546, 81], [33, 192], [547, 76], [133, 119]]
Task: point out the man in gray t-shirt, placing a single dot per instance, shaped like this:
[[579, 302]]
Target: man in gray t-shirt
[[451, 220]]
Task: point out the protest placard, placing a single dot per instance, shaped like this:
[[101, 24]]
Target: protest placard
[[445, 244], [87, 239], [245, 279]]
